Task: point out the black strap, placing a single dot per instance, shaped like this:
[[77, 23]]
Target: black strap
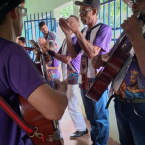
[[108, 103]]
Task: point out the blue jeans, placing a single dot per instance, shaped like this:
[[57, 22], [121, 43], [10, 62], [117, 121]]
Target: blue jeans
[[131, 122], [98, 117], [52, 84]]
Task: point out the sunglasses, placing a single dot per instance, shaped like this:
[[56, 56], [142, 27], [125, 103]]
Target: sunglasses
[[83, 11]]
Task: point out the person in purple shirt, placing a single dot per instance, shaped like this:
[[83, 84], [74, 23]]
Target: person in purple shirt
[[130, 94], [93, 40], [19, 75], [70, 73]]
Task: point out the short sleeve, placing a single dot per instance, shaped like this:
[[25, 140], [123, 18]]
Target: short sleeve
[[19, 71], [103, 37]]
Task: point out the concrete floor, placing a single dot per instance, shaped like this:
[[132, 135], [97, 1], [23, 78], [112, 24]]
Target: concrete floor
[[67, 128]]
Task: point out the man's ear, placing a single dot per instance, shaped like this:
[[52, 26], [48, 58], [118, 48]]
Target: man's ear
[[95, 12], [14, 13]]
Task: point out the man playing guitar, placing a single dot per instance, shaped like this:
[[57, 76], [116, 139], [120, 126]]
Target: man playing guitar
[[130, 97], [19, 75]]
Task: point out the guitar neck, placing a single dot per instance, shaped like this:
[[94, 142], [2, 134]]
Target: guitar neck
[[120, 41], [122, 46], [44, 68]]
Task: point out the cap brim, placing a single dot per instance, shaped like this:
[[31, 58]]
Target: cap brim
[[81, 3]]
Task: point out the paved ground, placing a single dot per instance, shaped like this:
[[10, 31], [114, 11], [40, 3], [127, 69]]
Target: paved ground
[[67, 128]]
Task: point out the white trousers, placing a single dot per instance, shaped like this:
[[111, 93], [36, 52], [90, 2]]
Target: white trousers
[[73, 92]]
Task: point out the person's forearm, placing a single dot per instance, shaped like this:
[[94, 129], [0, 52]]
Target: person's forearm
[[63, 58], [88, 48], [139, 48], [54, 101], [70, 47]]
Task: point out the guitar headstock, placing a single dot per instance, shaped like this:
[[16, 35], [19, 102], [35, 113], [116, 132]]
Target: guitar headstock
[[34, 45]]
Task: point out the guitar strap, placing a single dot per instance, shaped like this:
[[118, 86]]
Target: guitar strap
[[117, 81], [30, 130], [121, 75]]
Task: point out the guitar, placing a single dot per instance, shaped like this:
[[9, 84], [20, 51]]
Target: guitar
[[116, 61], [48, 128]]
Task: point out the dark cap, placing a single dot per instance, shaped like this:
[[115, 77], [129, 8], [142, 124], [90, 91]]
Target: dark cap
[[8, 5], [90, 3]]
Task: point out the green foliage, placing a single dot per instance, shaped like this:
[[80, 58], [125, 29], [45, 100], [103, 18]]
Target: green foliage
[[67, 11], [114, 15]]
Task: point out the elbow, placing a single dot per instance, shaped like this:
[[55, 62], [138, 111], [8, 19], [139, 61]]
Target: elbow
[[57, 113], [60, 111], [54, 117]]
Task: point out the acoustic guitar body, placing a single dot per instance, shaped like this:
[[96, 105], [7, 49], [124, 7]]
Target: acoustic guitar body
[[106, 75], [36, 119]]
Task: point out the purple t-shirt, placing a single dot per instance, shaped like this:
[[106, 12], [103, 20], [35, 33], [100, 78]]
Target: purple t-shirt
[[73, 68], [102, 39], [18, 75]]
